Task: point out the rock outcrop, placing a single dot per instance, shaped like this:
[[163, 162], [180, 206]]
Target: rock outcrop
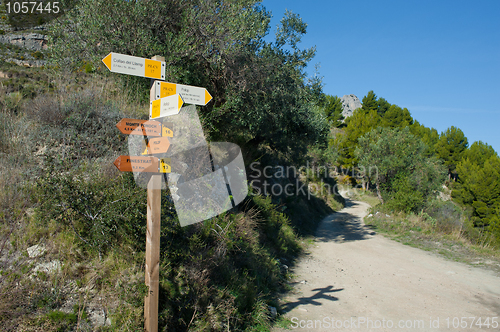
[[30, 41], [349, 104]]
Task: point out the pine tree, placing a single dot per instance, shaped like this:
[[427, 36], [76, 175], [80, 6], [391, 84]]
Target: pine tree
[[356, 126], [479, 152], [333, 110], [383, 106], [397, 117], [429, 136], [370, 102], [478, 187], [450, 148]]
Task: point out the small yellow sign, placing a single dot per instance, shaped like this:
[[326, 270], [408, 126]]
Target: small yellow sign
[[165, 165], [156, 108], [153, 68], [167, 89], [167, 132]]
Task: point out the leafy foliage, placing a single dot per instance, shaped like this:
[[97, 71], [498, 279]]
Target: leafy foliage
[[404, 176], [259, 88], [397, 117], [429, 136]]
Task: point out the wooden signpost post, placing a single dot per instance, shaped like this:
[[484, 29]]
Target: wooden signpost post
[[165, 100]]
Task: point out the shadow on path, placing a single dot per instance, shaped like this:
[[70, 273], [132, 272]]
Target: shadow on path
[[343, 226], [321, 293]]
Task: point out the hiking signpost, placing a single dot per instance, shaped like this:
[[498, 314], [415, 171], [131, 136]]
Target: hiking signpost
[[166, 99], [149, 127], [166, 106], [132, 65], [190, 94]]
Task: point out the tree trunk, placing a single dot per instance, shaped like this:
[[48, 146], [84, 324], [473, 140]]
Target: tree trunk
[[379, 195]]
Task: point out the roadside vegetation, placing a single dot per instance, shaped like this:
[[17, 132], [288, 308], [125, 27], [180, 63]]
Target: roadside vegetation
[[72, 227], [433, 190]]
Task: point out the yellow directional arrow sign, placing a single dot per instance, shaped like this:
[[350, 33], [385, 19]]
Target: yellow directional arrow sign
[[190, 94], [132, 65], [162, 107]]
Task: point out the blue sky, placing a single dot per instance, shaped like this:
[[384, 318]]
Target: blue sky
[[440, 59]]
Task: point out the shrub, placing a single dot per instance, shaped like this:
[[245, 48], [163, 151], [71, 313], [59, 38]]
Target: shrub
[[101, 211], [448, 216]]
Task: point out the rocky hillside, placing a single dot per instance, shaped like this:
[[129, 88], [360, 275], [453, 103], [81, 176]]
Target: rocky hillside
[[22, 47]]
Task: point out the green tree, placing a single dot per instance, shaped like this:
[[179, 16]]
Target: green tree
[[450, 148], [356, 126], [479, 152], [259, 88], [333, 109], [429, 136], [369, 102], [478, 187], [383, 106], [405, 178], [397, 117]]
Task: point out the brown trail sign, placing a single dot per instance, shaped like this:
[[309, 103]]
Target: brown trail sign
[[158, 145], [137, 164], [143, 164], [149, 127]]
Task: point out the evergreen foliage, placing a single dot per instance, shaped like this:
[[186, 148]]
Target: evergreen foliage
[[369, 102], [357, 125], [397, 117], [478, 188], [383, 106], [332, 106], [429, 136], [410, 158], [450, 147]]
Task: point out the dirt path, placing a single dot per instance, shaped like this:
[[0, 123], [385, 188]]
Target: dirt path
[[355, 280]]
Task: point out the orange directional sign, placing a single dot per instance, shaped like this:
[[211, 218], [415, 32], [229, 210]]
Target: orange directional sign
[[158, 145], [132, 65], [137, 164], [149, 127], [190, 94]]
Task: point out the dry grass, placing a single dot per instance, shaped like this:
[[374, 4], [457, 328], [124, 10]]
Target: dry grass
[[447, 236]]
